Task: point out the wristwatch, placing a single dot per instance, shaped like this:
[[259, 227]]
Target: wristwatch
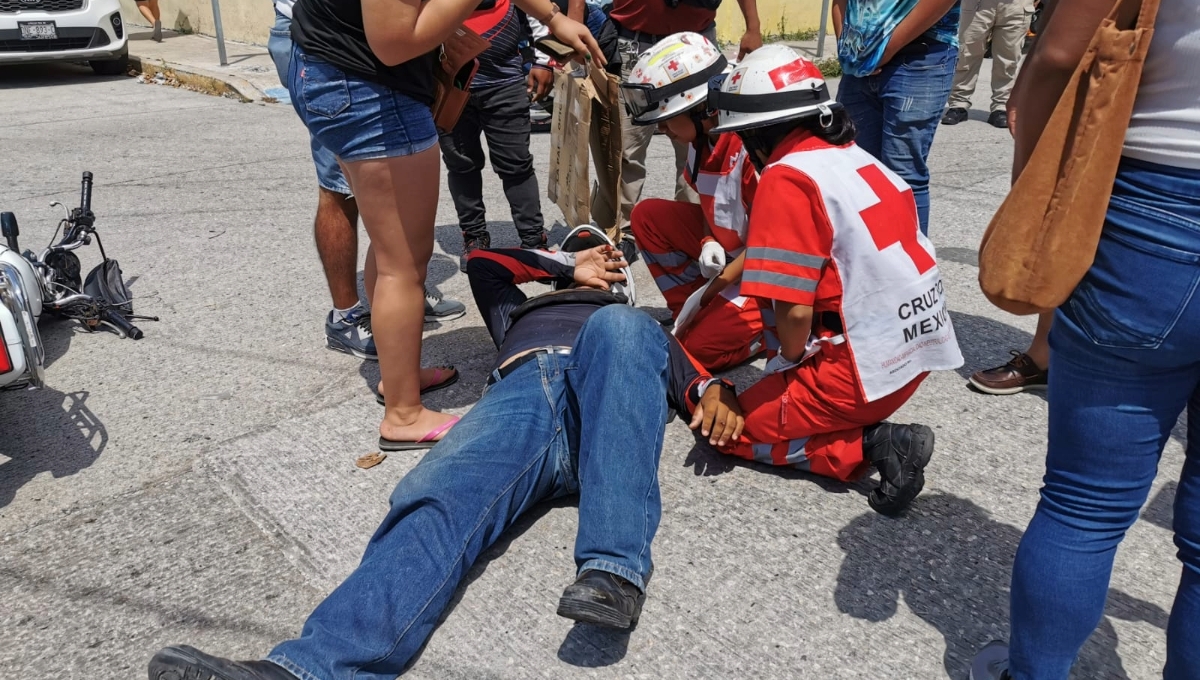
[[723, 382]]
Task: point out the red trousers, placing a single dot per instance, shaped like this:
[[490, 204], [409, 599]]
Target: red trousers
[[722, 334], [811, 416]]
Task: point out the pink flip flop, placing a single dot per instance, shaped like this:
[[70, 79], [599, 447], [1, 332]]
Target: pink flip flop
[[438, 383], [425, 442]]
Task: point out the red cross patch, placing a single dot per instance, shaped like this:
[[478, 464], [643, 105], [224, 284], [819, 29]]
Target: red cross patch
[[894, 218]]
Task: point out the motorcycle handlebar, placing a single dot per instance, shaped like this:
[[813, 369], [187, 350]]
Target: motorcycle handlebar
[[85, 191], [121, 323]]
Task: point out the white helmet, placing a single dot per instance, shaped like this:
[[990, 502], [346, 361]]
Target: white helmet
[[770, 85], [671, 77]]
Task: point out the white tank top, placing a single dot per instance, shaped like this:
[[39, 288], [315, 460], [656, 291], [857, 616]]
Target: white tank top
[[1165, 127]]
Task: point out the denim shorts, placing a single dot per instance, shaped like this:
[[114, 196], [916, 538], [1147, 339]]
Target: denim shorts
[[279, 45], [356, 119]]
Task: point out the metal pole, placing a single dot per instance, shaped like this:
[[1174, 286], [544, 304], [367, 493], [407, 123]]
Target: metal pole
[[820, 31], [216, 4]]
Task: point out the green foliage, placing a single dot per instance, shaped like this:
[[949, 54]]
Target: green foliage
[[830, 68]]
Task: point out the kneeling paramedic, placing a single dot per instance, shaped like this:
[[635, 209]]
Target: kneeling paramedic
[[572, 363], [687, 245], [846, 281]]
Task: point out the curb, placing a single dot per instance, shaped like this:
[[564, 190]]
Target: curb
[[208, 82]]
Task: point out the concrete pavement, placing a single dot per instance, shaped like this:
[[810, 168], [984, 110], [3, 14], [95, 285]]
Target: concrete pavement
[[199, 485]]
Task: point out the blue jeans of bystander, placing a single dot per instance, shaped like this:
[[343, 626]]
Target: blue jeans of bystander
[[1125, 349], [897, 111]]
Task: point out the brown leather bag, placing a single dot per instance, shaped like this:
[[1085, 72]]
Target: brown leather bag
[[455, 68], [1043, 238]]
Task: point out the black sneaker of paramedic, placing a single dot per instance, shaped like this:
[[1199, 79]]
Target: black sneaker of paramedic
[[900, 454], [189, 663], [587, 236], [602, 599]]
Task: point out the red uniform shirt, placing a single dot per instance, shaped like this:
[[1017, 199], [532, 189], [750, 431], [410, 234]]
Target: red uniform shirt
[[656, 18], [790, 238]]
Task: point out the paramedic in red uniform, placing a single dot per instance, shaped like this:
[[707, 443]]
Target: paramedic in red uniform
[[686, 245], [846, 280]]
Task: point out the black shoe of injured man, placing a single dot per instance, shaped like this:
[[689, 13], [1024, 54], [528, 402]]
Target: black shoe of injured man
[[900, 454], [602, 599], [189, 663]]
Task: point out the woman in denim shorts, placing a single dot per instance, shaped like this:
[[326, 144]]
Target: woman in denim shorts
[[361, 79]]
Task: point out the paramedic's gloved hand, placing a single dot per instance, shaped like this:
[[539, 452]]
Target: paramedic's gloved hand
[[712, 259]]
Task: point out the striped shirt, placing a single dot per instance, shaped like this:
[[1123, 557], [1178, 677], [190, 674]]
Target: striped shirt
[[502, 63]]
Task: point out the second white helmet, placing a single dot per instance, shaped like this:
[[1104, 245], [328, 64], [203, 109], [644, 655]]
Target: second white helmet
[[671, 77], [770, 85]]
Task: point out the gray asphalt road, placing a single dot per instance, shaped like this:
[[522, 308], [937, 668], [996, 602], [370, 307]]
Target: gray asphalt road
[[198, 486]]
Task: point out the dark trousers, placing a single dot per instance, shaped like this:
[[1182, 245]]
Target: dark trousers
[[501, 113]]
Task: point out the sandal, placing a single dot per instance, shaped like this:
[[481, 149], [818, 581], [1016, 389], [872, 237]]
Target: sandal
[[438, 383], [423, 443]]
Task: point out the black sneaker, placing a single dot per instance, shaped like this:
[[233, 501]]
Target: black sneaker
[[602, 599], [998, 119], [900, 453], [470, 245], [628, 248], [954, 116], [189, 663], [538, 243]]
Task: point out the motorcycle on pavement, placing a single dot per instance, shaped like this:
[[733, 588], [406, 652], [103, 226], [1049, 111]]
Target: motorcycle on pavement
[[33, 283]]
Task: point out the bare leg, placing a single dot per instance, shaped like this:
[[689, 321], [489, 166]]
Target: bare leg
[[398, 201], [1039, 347], [149, 10], [336, 232]]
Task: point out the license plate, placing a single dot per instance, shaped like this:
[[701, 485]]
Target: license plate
[[38, 30]]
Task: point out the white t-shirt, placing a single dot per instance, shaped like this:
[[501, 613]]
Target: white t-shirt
[[285, 7], [1165, 127]]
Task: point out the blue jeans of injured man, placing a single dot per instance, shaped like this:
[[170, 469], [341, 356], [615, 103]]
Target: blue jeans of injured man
[[590, 423], [1125, 360]]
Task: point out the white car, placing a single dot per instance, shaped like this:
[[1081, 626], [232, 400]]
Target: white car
[[64, 30]]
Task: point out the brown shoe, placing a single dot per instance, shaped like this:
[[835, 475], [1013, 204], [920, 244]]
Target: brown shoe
[[1018, 375]]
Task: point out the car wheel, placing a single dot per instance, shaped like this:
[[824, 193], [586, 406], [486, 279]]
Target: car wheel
[[110, 67]]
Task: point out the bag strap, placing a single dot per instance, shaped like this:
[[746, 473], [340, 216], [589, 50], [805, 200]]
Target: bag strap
[[1131, 14]]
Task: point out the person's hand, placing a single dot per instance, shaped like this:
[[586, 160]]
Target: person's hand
[[597, 267], [576, 35], [712, 259], [539, 82], [751, 40], [718, 415]]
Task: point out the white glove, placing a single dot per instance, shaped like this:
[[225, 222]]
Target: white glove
[[712, 259]]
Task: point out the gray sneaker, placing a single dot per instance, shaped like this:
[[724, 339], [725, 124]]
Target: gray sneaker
[[438, 308], [351, 333], [991, 663]]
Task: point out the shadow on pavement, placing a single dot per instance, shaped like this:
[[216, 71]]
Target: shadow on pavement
[[589, 646], [61, 73], [469, 350], [46, 431], [951, 564]]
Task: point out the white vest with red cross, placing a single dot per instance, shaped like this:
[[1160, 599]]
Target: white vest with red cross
[[893, 301], [719, 183]]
